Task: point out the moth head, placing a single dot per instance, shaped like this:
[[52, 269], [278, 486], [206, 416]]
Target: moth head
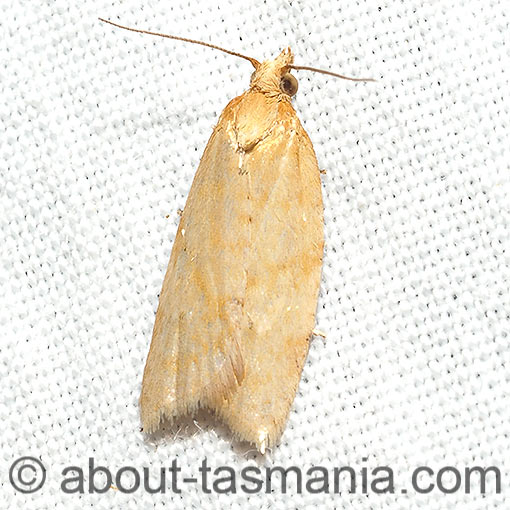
[[273, 77]]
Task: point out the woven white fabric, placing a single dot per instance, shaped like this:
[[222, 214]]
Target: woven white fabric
[[101, 131]]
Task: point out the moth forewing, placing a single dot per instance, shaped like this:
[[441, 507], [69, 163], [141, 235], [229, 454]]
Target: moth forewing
[[239, 297]]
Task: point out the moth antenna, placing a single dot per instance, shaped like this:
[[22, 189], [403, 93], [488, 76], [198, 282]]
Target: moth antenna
[[330, 73], [255, 63]]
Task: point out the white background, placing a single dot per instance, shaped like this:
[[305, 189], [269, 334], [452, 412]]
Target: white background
[[101, 131]]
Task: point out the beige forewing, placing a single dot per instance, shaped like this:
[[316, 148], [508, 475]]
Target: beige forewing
[[239, 297]]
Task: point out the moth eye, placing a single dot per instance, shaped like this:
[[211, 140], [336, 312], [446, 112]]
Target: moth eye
[[288, 84]]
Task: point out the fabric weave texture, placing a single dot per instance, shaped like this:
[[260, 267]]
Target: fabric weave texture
[[101, 132]]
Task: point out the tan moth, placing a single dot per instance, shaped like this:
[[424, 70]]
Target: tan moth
[[238, 302]]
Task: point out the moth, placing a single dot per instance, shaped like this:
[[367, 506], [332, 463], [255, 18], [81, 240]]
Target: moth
[[238, 302]]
